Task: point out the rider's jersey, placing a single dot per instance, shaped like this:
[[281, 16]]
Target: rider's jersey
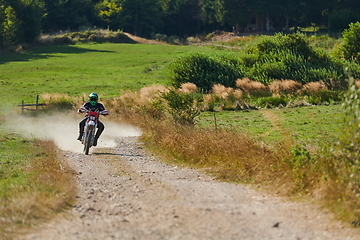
[[97, 107]]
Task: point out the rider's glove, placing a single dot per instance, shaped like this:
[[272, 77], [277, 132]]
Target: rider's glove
[[81, 110], [104, 112]]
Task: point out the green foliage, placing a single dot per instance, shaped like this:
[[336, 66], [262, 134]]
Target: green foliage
[[10, 26], [205, 70], [349, 140], [351, 46], [290, 57], [340, 18], [305, 168], [110, 13], [272, 101], [182, 106], [154, 109], [271, 58], [323, 97]]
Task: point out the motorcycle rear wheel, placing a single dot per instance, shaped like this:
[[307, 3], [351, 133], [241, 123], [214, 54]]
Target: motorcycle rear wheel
[[87, 142]]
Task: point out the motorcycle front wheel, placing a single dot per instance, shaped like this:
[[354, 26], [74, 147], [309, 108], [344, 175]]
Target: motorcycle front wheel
[[87, 142]]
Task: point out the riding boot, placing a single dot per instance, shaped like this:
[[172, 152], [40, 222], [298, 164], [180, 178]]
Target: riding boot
[[96, 138], [80, 136]]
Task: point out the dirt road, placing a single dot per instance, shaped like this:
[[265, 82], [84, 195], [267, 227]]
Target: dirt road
[[126, 193]]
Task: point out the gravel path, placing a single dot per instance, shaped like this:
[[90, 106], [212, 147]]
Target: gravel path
[[126, 193]]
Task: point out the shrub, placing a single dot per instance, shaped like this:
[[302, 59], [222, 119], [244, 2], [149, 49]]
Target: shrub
[[351, 46], [272, 101], [205, 70], [289, 57], [182, 107]]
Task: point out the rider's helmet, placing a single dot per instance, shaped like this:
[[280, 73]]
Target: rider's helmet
[[93, 97]]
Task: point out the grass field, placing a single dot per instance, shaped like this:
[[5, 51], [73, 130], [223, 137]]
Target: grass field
[[110, 68], [307, 125], [77, 69], [33, 183]]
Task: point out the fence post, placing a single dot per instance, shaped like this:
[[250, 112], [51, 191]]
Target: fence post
[[37, 101], [22, 107]]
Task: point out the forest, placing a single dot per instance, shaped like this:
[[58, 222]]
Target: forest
[[22, 21]]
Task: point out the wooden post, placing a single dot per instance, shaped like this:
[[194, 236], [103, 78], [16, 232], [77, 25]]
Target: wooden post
[[37, 101], [22, 107]]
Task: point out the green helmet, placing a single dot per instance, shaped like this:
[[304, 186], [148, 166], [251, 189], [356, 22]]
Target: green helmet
[[93, 97]]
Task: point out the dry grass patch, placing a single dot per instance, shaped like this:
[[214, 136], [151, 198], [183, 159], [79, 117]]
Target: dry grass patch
[[250, 86], [314, 86], [284, 86], [48, 189], [221, 91], [142, 96], [188, 88]]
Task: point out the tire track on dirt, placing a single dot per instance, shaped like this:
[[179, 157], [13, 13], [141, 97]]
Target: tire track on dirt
[[127, 193], [269, 114]]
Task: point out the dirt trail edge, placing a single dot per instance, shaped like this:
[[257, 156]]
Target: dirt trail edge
[[126, 193]]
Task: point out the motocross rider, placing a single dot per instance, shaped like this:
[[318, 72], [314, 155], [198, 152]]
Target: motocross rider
[[94, 106]]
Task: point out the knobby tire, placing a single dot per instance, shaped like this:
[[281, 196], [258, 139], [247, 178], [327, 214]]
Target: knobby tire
[[87, 142]]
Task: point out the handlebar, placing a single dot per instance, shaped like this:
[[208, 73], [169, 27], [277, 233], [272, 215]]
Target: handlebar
[[104, 112]]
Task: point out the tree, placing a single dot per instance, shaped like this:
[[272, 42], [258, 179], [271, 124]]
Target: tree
[[181, 17], [213, 11], [236, 12], [351, 46], [30, 14], [111, 14], [10, 26], [141, 17], [68, 14]]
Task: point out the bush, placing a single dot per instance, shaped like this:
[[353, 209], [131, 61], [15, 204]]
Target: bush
[[182, 106], [290, 57], [205, 70], [323, 97], [351, 46], [272, 101]]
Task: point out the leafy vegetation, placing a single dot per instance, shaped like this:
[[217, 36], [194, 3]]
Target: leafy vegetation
[[270, 59], [205, 70], [182, 107], [22, 21], [283, 148], [351, 46]]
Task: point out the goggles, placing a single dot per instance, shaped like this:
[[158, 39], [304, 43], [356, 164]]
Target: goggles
[[93, 99]]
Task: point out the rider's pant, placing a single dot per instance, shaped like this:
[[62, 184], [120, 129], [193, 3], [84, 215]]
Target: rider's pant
[[100, 127]]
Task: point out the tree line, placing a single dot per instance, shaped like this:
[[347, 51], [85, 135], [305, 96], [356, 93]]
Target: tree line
[[24, 20]]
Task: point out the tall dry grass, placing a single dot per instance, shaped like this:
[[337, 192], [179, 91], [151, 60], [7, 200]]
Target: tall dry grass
[[188, 88], [314, 86], [51, 188], [142, 96], [221, 91], [232, 156], [284, 86], [250, 86]]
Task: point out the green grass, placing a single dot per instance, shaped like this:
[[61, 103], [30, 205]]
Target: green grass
[[77, 69], [307, 125], [251, 122], [13, 163], [312, 124], [33, 183]]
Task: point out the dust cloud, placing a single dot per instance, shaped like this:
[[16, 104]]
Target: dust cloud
[[63, 129]]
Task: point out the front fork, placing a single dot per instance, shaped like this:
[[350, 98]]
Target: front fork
[[89, 126]]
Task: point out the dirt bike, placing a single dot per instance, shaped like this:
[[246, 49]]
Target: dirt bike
[[89, 130]]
